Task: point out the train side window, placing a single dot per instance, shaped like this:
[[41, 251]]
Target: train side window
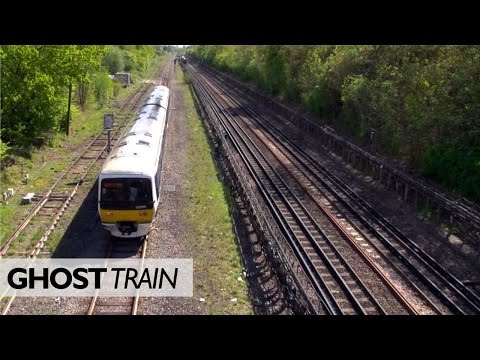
[[157, 183]]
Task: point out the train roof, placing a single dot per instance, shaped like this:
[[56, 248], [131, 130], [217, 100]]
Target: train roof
[[159, 96], [138, 151]]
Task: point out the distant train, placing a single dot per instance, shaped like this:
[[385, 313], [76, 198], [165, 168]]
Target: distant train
[[129, 182], [183, 60]]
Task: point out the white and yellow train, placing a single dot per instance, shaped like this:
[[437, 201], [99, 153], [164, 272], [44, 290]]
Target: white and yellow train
[[130, 181]]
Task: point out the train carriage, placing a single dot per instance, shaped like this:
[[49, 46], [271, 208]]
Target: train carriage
[[130, 180]]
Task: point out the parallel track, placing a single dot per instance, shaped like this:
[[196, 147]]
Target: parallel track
[[460, 208], [445, 295], [52, 205], [341, 289], [74, 175]]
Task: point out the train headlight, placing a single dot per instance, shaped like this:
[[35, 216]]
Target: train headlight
[[109, 213]]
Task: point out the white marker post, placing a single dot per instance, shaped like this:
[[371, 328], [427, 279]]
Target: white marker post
[[108, 125]]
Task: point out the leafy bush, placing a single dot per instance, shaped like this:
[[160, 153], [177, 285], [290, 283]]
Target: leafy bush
[[103, 88], [113, 60]]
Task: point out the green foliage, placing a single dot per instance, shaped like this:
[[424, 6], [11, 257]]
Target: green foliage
[[83, 94], [456, 164], [133, 59], [33, 106], [34, 87], [421, 99], [130, 61], [30, 101], [113, 60], [103, 88], [35, 81], [3, 150]]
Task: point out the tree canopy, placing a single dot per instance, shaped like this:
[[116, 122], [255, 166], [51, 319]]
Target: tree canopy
[[424, 101], [35, 81]]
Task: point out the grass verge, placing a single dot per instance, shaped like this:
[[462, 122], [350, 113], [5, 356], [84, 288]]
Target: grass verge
[[218, 271]]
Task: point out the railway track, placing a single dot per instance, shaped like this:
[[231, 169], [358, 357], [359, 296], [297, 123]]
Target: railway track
[[386, 242], [165, 76], [337, 284], [120, 248], [51, 205], [75, 174], [459, 207], [61, 191], [126, 248], [403, 269]]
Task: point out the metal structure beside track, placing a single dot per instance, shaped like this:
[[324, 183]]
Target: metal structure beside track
[[445, 293]]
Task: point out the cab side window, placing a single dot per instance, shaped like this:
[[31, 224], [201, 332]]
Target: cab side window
[[157, 183]]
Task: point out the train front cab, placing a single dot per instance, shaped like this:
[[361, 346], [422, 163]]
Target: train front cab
[[128, 205]]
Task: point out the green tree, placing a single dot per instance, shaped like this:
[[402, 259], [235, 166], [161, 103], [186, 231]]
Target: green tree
[[31, 100], [35, 82], [424, 101], [103, 88], [113, 60]]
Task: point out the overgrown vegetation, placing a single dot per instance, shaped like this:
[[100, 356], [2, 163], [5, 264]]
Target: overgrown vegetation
[[423, 101]]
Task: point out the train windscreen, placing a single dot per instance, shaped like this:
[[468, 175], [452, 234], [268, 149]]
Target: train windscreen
[[126, 193]]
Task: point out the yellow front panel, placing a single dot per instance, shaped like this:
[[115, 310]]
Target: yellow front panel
[[112, 216]]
